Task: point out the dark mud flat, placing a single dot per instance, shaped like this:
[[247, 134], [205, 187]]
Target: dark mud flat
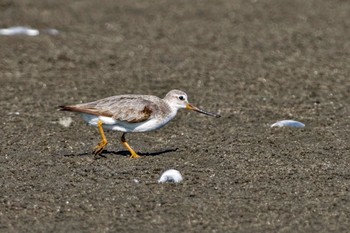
[[254, 62]]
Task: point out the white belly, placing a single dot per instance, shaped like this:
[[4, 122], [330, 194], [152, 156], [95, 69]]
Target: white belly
[[112, 124]]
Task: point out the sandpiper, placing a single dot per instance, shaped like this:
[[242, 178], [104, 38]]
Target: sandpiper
[[132, 113]]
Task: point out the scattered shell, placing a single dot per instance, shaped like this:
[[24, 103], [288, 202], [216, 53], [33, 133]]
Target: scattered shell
[[288, 123], [11, 31], [170, 176], [26, 31], [136, 181], [65, 121]]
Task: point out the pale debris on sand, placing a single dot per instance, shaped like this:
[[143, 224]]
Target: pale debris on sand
[[65, 121]]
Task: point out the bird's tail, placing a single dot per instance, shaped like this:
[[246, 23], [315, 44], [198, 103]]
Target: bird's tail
[[66, 108]]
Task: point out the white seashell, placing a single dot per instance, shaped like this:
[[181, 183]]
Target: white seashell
[[170, 176], [288, 123], [65, 121], [11, 31]]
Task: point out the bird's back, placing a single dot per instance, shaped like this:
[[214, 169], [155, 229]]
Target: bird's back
[[129, 108]]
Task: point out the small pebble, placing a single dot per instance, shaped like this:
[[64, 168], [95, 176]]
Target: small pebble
[[13, 113], [288, 123], [171, 176], [51, 31]]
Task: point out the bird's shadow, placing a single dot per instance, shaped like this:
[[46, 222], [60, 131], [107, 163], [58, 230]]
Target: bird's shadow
[[123, 153]]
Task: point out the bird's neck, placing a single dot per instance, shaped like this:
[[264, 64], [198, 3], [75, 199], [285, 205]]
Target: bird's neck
[[171, 108]]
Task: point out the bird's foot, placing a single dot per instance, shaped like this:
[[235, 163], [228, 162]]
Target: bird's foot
[[134, 155], [100, 147]]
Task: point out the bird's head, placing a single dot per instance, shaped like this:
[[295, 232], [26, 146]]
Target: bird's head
[[178, 99]]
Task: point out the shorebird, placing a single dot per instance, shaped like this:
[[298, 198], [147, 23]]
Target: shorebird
[[132, 113]]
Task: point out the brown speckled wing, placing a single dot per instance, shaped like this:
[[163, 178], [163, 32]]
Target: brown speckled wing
[[131, 109]]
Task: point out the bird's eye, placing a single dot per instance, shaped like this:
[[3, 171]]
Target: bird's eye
[[181, 97]]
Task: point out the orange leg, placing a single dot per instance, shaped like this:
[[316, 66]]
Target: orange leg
[[134, 155], [100, 147]]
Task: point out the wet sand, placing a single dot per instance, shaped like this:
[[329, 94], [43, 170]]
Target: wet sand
[[254, 62]]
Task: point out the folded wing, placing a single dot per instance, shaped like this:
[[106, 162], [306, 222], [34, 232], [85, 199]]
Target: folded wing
[[131, 109]]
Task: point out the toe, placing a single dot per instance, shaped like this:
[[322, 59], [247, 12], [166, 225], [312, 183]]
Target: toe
[[134, 156]]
